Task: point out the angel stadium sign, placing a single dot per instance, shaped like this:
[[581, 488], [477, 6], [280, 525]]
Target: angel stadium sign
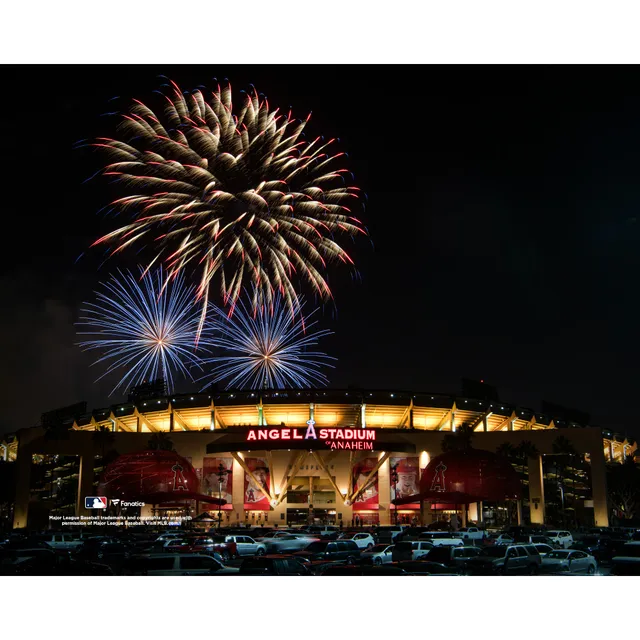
[[331, 438]]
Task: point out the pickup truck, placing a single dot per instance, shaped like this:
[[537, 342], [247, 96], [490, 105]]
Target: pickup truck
[[471, 533]]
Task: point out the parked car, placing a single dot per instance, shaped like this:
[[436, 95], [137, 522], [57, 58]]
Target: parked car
[[453, 557], [331, 549], [627, 561], [437, 538], [378, 554], [471, 533], [287, 542], [424, 568], [607, 549], [176, 564], [61, 541], [499, 539], [364, 570], [246, 546], [169, 535], [389, 534], [563, 538], [324, 530], [568, 560], [405, 551], [274, 565], [544, 549], [103, 550], [216, 546], [505, 559], [363, 540]]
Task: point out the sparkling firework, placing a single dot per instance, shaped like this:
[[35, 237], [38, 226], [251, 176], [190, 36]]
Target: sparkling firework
[[146, 326], [267, 348], [240, 197]]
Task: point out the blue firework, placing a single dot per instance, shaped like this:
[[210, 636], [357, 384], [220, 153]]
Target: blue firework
[[145, 327], [266, 348]]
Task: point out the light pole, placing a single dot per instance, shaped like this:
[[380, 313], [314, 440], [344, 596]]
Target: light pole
[[394, 480], [222, 472]]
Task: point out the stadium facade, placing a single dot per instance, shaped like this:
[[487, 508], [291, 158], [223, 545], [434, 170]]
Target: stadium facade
[[291, 457]]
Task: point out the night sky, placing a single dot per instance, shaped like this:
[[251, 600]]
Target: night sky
[[503, 207]]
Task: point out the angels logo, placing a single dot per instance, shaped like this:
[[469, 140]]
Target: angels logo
[[179, 481], [438, 478]]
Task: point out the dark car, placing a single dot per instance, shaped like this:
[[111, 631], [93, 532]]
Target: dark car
[[607, 549], [505, 560], [425, 568], [364, 570], [455, 558], [627, 561], [331, 549], [274, 565]]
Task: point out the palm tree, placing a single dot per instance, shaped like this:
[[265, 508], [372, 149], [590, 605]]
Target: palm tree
[[564, 449], [160, 442], [459, 440], [525, 450]]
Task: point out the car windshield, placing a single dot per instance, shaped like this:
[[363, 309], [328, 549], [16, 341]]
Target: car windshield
[[558, 555], [494, 552], [317, 546], [347, 536]]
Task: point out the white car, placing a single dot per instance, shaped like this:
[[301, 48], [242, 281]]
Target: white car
[[287, 542], [499, 540], [379, 554], [363, 540], [61, 541], [471, 533], [439, 538], [568, 560], [563, 538], [323, 530], [247, 546], [178, 564]]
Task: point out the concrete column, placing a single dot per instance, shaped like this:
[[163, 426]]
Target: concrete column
[[171, 423], [485, 425], [473, 512], [23, 483], [426, 517], [479, 512], [536, 490], [612, 453], [85, 483], [464, 515], [384, 493], [138, 425], [453, 425], [519, 511], [599, 487]]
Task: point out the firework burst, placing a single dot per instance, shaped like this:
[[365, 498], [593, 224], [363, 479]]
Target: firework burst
[[266, 348], [145, 326], [242, 197]]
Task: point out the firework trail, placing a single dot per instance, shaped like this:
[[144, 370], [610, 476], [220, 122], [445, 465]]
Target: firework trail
[[145, 326], [242, 197], [266, 349]]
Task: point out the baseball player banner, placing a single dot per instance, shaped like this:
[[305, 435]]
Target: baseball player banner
[[407, 482], [254, 498], [368, 499]]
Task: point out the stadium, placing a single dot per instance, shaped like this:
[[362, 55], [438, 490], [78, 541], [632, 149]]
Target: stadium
[[315, 456]]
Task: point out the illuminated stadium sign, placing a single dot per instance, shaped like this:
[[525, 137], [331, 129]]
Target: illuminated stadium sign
[[332, 438]]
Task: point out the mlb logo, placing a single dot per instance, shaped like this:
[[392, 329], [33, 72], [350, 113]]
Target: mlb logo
[[95, 502]]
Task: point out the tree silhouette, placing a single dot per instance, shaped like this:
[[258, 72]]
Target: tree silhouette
[[623, 487], [459, 440]]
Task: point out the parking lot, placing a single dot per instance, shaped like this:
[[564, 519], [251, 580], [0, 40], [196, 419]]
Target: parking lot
[[325, 551]]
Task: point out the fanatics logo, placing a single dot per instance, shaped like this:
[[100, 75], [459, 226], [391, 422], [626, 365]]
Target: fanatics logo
[[95, 502]]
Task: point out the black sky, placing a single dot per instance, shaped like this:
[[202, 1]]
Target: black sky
[[502, 206]]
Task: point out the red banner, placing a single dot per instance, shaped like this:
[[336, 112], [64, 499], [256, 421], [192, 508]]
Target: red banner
[[218, 482], [368, 499], [408, 480], [254, 499]]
